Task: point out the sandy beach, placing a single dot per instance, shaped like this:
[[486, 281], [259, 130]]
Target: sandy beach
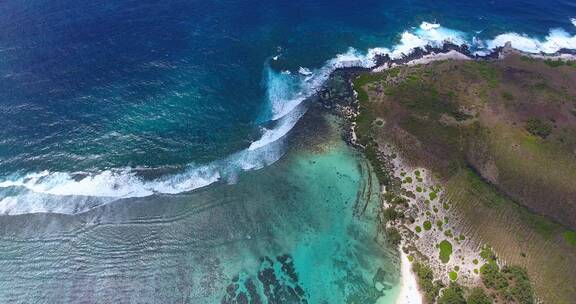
[[409, 293]]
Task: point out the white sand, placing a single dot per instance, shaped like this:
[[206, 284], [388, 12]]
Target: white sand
[[409, 293]]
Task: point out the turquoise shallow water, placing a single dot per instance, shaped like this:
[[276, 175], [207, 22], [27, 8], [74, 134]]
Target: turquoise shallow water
[[300, 231]]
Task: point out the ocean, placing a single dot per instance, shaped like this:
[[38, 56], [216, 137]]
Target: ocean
[[145, 153]]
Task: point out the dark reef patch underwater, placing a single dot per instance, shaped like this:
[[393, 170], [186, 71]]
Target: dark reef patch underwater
[[131, 131]]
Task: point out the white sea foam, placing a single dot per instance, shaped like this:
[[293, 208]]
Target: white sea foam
[[304, 71], [573, 20], [429, 26], [556, 40], [63, 192]]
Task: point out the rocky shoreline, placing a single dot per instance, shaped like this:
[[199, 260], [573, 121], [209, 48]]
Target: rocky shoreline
[[339, 96]]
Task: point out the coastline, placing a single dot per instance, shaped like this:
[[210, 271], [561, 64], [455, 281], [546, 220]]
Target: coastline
[[418, 56], [409, 288], [409, 291]]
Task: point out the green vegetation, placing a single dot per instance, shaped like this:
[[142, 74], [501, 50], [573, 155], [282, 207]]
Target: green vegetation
[[488, 72], [559, 63], [371, 153], [408, 180], [475, 261], [487, 254], [391, 214], [393, 235], [363, 80], [453, 275], [433, 196], [393, 72], [511, 283], [426, 281], [445, 251], [477, 296], [521, 288], [454, 294], [427, 225], [439, 223], [418, 229], [570, 237], [418, 189], [539, 128], [492, 277]]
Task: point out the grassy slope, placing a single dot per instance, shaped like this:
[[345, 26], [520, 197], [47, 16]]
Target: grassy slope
[[465, 119]]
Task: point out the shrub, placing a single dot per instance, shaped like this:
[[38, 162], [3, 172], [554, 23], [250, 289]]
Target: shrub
[[390, 214], [439, 223], [394, 236], [452, 295], [427, 225], [453, 275], [492, 277], [487, 254], [418, 229], [521, 287], [445, 251], [426, 281], [539, 128]]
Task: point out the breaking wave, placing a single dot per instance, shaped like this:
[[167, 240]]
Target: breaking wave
[[62, 192]]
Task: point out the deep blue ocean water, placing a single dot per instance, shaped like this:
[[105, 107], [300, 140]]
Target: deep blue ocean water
[[140, 102], [152, 88]]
